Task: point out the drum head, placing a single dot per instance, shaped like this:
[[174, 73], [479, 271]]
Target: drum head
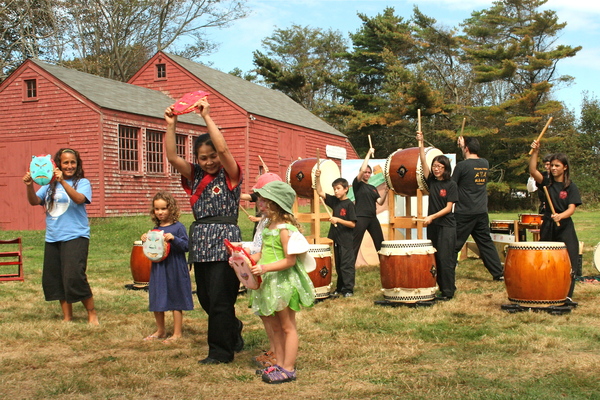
[[430, 154], [597, 257], [329, 173]]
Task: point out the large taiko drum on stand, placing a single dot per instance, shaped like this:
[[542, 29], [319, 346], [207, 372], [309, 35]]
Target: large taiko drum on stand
[[537, 274], [140, 266], [300, 175], [321, 276], [404, 171], [408, 270]]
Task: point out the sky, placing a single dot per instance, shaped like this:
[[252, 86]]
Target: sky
[[241, 38]]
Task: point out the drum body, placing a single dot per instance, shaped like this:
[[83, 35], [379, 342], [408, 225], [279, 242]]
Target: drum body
[[321, 276], [404, 172], [408, 270], [140, 265], [537, 274], [531, 219], [300, 175]]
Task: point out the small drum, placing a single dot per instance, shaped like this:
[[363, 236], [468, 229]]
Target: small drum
[[537, 274], [321, 276], [408, 270], [502, 226], [140, 265], [300, 175], [531, 219], [404, 172]]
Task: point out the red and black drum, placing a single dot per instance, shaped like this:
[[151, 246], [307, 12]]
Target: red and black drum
[[404, 172], [321, 276], [140, 266], [300, 175], [408, 270]]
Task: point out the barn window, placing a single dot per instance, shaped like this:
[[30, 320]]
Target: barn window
[[30, 89], [161, 71], [180, 141], [155, 163], [128, 148]]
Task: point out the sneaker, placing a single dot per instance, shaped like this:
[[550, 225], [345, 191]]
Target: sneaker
[[212, 361], [499, 278], [443, 298], [348, 294]]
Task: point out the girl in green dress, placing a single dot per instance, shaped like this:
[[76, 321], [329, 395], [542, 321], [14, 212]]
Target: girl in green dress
[[285, 283]]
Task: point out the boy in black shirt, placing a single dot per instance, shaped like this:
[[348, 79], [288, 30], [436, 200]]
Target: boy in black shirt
[[343, 222]]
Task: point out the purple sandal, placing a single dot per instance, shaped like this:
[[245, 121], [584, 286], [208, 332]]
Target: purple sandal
[[277, 374]]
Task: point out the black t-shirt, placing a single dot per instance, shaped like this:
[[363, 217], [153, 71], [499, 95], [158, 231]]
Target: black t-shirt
[[561, 197], [343, 209], [471, 177], [365, 197], [440, 193]]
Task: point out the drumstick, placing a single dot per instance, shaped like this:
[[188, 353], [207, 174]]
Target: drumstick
[[550, 203], [370, 143], [244, 210], [323, 201], [542, 133], [462, 128], [419, 119], [264, 165]]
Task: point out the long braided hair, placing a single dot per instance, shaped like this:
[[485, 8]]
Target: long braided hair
[[76, 176]]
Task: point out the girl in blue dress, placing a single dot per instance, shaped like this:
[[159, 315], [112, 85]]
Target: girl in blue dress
[[170, 288], [285, 285]]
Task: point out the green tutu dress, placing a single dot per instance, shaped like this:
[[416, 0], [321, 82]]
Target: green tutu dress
[[291, 287]]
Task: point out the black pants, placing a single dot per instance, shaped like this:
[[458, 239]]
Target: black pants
[[370, 224], [443, 239], [345, 268], [217, 288], [64, 276], [478, 226]]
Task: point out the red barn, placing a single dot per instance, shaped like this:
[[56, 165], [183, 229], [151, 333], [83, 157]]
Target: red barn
[[118, 129]]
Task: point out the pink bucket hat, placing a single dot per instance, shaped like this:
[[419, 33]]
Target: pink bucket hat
[[266, 178]]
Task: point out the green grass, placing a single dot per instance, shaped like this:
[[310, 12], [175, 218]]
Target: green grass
[[467, 348]]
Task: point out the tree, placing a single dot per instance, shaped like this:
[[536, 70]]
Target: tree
[[113, 38], [512, 49], [24, 24], [303, 63]]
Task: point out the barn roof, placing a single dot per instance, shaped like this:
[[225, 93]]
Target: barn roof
[[254, 98], [115, 95]]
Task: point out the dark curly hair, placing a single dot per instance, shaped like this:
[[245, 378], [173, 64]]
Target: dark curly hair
[[77, 176]]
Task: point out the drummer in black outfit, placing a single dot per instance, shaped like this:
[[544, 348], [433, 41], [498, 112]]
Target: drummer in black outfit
[[471, 211], [565, 199], [366, 197]]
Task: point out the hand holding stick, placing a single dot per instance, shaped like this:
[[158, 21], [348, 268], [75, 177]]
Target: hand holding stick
[[550, 203], [542, 133]]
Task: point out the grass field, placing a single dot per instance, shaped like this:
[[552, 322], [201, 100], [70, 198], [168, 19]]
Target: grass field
[[467, 348]]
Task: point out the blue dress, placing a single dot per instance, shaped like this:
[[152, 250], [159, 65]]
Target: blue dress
[[170, 287]]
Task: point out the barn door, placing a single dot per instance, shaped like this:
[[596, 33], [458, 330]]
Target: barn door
[[15, 211]]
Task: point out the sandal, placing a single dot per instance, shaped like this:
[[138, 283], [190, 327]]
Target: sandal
[[277, 374], [265, 360]]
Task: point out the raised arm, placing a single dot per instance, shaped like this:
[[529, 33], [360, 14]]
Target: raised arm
[[318, 186], [424, 165], [31, 195], [365, 163], [533, 162], [218, 140], [179, 163]]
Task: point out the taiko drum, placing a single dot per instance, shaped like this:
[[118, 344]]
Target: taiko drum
[[531, 219], [537, 274], [300, 175], [140, 265], [404, 171], [408, 270], [321, 276]]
